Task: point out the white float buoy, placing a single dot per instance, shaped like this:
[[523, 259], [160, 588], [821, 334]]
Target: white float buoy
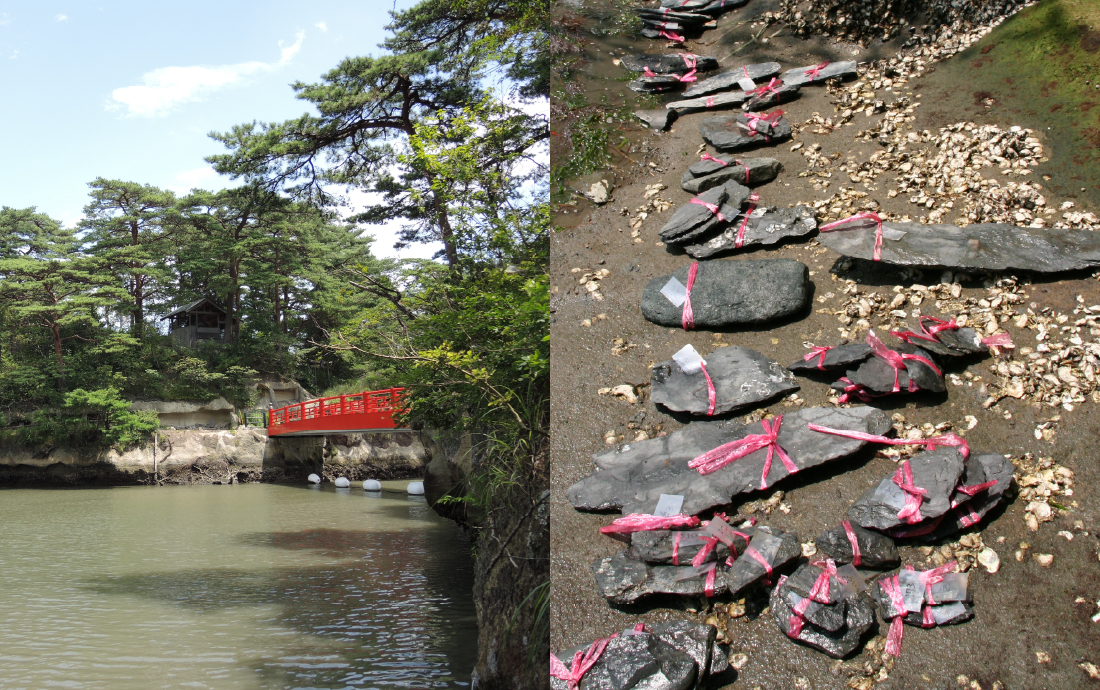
[[372, 485], [313, 479], [415, 488], [342, 483]]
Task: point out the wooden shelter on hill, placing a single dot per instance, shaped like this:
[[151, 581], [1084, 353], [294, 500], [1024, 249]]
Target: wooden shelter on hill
[[196, 322]]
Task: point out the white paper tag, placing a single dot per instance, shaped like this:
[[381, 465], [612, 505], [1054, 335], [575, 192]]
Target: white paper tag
[[893, 234], [690, 361], [746, 84], [675, 291], [668, 505], [912, 590]]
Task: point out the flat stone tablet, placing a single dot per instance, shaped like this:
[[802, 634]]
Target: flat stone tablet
[[936, 471], [742, 379], [724, 134], [799, 75], [765, 226]]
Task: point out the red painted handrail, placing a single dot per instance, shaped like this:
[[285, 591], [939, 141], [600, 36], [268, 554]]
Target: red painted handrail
[[369, 411]]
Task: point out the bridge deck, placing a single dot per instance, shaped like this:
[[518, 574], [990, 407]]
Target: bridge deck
[[371, 411]]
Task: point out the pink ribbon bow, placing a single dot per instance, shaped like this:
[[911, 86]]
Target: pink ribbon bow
[[926, 333], [928, 443], [914, 495], [929, 578], [813, 72], [582, 662], [740, 239], [754, 121], [853, 390], [897, 361], [770, 86], [689, 61], [636, 522], [819, 352], [716, 459], [857, 559], [836, 225], [892, 587]]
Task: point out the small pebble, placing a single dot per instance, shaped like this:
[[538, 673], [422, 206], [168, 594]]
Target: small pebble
[[989, 560], [1044, 559]]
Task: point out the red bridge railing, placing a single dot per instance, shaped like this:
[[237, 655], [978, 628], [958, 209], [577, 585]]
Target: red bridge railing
[[369, 411]]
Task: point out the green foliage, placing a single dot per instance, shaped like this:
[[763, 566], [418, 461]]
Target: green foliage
[[85, 418]]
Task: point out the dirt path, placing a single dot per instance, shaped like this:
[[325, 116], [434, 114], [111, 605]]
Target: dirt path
[[1020, 611]]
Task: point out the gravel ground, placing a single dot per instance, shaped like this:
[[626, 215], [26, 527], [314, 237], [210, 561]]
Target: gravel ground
[[1032, 626]]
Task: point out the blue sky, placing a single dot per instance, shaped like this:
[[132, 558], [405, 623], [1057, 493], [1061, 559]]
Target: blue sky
[[130, 90]]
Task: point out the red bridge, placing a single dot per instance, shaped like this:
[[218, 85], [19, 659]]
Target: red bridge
[[358, 412]]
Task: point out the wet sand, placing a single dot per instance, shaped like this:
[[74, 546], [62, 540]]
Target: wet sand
[[1019, 611]]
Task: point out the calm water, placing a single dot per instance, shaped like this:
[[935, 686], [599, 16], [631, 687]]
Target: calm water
[[248, 586]]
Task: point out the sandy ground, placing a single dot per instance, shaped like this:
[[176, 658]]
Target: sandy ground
[[1021, 610]]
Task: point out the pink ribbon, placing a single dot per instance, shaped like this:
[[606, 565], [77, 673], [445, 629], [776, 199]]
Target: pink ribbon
[[857, 559], [867, 215], [819, 593], [740, 239], [762, 561], [689, 61], [710, 101], [707, 205], [819, 352], [914, 495], [928, 443], [671, 36], [853, 390], [646, 72], [636, 522], [770, 86], [582, 662], [719, 161], [974, 489], [897, 361], [929, 578], [813, 72], [687, 318], [927, 334], [714, 460], [754, 121], [708, 585], [676, 548], [712, 395], [999, 340], [709, 544], [892, 587]]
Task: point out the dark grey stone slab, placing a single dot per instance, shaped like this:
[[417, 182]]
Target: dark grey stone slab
[[839, 357], [730, 79], [622, 580], [937, 471], [632, 477], [775, 547], [658, 119], [746, 171], [657, 547], [878, 375], [716, 102], [669, 14], [729, 292], [799, 76], [673, 63], [685, 5], [954, 342], [658, 84], [724, 134], [766, 225], [779, 94], [803, 579], [859, 616], [944, 614], [720, 6], [697, 640], [743, 379], [693, 218], [950, 602], [635, 661], [989, 246], [875, 550], [967, 510], [828, 617]]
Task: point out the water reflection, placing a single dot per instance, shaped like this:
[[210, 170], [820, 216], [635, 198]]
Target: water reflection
[[381, 602]]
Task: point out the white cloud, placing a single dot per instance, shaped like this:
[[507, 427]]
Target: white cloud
[[190, 179], [166, 87], [14, 55], [62, 17], [5, 19], [322, 26]]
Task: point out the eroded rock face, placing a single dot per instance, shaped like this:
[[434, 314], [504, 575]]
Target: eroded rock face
[[727, 293], [705, 174], [988, 246], [633, 477], [765, 226], [936, 471], [742, 379], [725, 134]]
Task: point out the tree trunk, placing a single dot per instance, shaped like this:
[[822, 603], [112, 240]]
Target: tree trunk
[[55, 331]]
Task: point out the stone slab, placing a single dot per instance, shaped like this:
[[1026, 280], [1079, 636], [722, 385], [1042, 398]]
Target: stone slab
[[743, 379], [766, 225], [724, 134], [936, 471]]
